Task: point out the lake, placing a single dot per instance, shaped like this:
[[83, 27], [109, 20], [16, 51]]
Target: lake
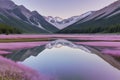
[[73, 57]]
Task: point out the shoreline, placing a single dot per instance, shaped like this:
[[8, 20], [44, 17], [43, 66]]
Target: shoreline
[[109, 59]]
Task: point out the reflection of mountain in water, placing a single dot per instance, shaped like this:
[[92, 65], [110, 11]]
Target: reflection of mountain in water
[[21, 55], [72, 63], [62, 42]]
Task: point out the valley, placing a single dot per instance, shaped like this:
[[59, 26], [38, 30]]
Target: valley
[[36, 46], [105, 20]]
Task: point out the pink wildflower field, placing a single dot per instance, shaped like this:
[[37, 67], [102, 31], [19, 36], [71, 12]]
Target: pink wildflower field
[[97, 40]]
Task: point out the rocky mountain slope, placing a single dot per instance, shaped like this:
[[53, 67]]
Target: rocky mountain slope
[[104, 20], [20, 17]]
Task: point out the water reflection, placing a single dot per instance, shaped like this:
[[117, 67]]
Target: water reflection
[[64, 60], [21, 55]]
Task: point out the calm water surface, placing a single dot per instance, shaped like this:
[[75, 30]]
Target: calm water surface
[[70, 63]]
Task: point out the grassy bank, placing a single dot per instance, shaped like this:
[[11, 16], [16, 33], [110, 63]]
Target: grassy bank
[[24, 40]]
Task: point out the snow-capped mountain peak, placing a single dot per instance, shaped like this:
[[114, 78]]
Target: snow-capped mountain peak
[[86, 14], [62, 23], [58, 19]]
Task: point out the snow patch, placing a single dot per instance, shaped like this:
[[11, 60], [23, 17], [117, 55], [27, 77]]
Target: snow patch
[[40, 26], [63, 23]]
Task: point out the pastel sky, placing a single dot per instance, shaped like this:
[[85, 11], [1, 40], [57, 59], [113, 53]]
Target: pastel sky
[[63, 8]]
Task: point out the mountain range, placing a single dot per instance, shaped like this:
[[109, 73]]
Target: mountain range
[[20, 17], [104, 20], [63, 23]]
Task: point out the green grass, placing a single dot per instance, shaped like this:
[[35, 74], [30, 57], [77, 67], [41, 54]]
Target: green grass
[[25, 40]]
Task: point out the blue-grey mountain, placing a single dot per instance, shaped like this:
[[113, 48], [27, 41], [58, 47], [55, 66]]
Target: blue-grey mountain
[[22, 18], [106, 20]]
